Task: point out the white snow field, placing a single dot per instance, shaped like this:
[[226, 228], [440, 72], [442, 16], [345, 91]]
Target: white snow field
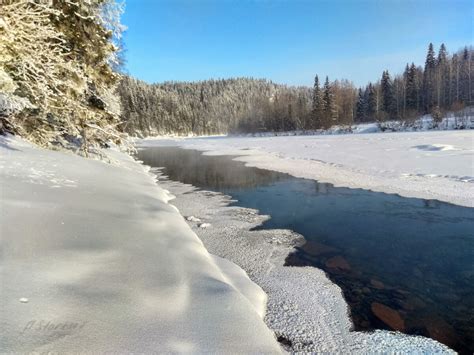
[[95, 260], [430, 164]]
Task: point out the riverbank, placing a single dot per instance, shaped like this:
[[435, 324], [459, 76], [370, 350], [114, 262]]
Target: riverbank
[[429, 165], [94, 259], [305, 309]]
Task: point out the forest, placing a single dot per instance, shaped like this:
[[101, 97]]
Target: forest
[[62, 85], [240, 105]]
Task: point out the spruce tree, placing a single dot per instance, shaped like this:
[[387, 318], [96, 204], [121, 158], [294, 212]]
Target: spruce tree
[[455, 76], [330, 114], [371, 102], [429, 79], [412, 88], [388, 100], [465, 77], [317, 111], [403, 96], [443, 78], [360, 106]]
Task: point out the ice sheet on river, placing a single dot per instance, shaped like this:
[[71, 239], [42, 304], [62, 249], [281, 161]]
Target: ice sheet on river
[[431, 165]]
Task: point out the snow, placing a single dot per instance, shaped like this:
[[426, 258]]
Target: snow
[[435, 147], [304, 307], [9, 104], [95, 260], [428, 164]]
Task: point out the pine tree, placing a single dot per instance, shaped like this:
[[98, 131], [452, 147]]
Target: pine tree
[[455, 79], [388, 101], [465, 77], [330, 114], [317, 111], [412, 88], [360, 106], [405, 81], [403, 95], [371, 102], [429, 79], [443, 78]]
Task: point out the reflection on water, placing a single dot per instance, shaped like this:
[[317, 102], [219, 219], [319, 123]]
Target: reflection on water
[[403, 264], [214, 173]]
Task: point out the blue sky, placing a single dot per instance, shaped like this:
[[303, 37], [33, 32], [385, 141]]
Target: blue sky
[[288, 41]]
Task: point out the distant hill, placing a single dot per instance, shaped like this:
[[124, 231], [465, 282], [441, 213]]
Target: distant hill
[[211, 106]]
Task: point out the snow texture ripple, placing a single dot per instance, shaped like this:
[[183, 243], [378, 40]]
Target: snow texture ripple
[[94, 260]]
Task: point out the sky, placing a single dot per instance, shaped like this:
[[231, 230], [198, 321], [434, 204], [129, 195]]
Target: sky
[[288, 41]]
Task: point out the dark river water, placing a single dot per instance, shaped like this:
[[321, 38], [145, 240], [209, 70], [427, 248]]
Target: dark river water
[[403, 263]]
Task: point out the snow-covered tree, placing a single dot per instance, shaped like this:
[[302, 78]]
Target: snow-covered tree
[[249, 105], [56, 55]]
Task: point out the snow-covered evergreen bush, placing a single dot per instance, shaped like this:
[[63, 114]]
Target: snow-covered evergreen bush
[[55, 56]]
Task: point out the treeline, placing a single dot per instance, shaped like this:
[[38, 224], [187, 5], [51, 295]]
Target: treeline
[[58, 62], [444, 83], [212, 106], [250, 105]]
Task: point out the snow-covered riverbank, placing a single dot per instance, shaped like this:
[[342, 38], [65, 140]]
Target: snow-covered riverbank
[[94, 259], [305, 309], [431, 165]]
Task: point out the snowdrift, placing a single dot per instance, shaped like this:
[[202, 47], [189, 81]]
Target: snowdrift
[[94, 259]]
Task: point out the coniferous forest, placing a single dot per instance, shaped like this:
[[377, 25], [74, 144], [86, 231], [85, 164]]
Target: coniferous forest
[[444, 83]]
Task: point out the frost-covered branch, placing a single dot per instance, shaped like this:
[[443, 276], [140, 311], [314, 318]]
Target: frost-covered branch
[[55, 54]]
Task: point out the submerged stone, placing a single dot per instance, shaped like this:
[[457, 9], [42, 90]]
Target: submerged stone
[[338, 262], [377, 284], [316, 248], [440, 330], [389, 316]]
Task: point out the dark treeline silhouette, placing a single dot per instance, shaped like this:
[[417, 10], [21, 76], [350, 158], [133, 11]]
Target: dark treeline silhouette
[[443, 84]]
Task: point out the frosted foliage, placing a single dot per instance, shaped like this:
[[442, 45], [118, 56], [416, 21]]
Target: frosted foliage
[[53, 55]]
